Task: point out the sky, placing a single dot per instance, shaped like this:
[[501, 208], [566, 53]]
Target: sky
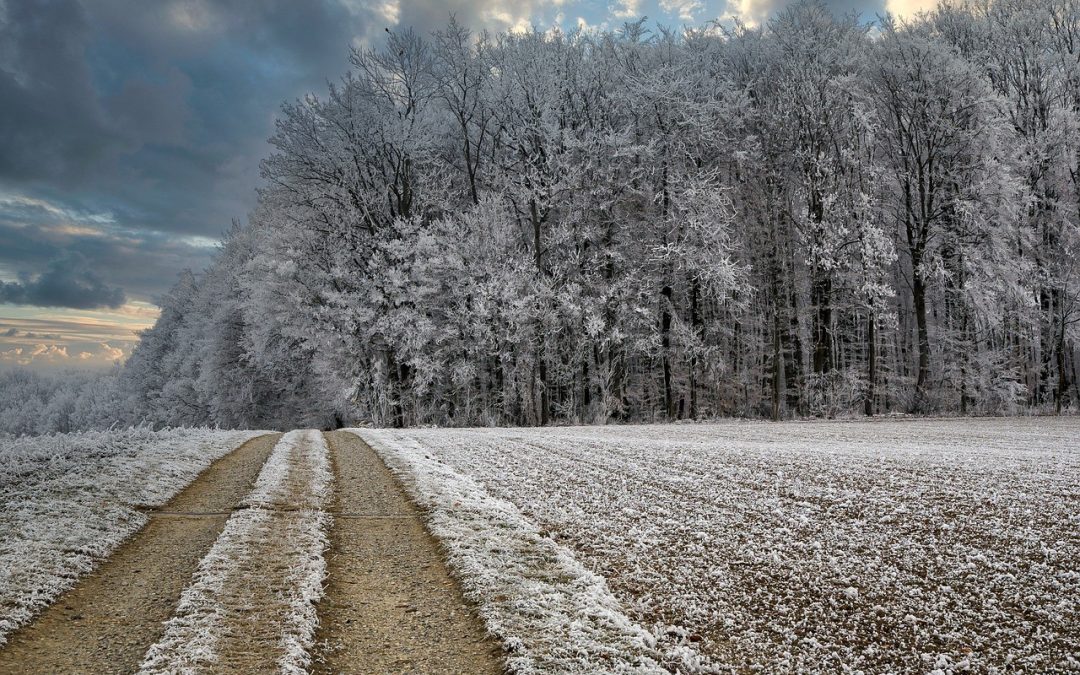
[[131, 133]]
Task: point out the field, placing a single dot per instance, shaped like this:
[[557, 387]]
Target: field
[[885, 546]]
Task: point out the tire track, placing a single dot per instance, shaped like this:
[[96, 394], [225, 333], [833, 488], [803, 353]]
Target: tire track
[[391, 605], [250, 606]]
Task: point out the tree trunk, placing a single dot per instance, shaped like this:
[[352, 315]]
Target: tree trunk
[[665, 346], [695, 323], [918, 296], [1063, 372], [968, 346], [1046, 341], [778, 363], [586, 388], [397, 415], [821, 297], [793, 369], [871, 358], [545, 394], [541, 358]]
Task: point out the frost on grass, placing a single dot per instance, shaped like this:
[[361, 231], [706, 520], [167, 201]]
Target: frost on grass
[[551, 614], [945, 546], [270, 557], [68, 500]]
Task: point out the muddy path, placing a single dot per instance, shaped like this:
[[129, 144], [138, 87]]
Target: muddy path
[[108, 620], [390, 604]]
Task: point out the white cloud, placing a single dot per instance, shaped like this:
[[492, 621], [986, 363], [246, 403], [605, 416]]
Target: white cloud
[[506, 19], [55, 355], [190, 15], [199, 241], [684, 8], [39, 353], [750, 12], [907, 9], [49, 352], [21, 204], [626, 9], [13, 356], [111, 353], [387, 10]]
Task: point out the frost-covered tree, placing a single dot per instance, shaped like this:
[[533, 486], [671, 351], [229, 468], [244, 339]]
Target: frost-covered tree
[[808, 217]]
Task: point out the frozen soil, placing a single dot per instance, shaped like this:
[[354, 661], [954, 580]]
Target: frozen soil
[[934, 546], [105, 623], [390, 604]]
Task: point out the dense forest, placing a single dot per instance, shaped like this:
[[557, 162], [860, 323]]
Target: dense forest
[[814, 217]]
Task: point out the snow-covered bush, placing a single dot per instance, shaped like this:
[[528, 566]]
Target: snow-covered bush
[[43, 403]]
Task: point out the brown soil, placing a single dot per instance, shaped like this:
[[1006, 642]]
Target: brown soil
[[108, 620], [391, 605]]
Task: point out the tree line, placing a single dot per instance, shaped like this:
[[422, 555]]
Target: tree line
[[812, 217]]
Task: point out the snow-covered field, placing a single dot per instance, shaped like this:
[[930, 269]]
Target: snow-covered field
[[67, 500], [935, 546]]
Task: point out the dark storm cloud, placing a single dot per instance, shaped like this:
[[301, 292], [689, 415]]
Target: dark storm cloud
[[161, 108], [127, 127], [66, 282], [51, 123], [144, 262]]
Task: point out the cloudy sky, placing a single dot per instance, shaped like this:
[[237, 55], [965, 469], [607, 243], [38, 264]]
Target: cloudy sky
[[131, 133]]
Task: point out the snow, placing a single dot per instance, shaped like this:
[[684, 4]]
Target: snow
[[68, 500], [878, 546], [269, 556]]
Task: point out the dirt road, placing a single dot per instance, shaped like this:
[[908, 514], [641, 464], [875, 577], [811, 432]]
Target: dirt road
[[389, 604]]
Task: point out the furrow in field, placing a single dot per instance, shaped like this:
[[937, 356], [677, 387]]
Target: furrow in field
[[817, 547]]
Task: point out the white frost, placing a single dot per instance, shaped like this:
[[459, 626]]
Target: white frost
[[550, 613], [826, 547]]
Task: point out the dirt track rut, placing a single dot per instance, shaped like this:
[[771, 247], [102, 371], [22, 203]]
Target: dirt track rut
[[391, 605], [106, 622], [249, 607]]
